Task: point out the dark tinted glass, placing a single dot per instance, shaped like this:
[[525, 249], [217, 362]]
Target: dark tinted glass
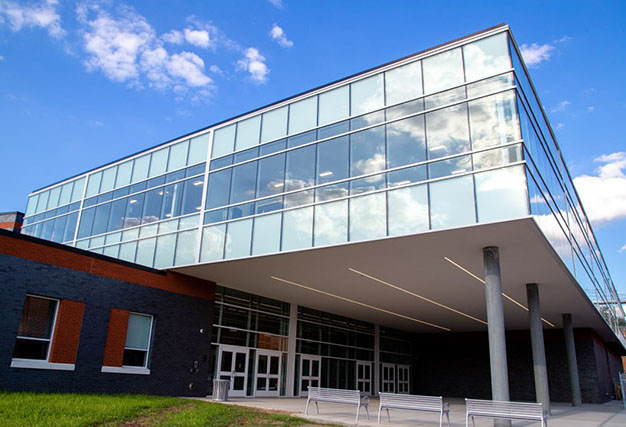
[[269, 205], [303, 138], [37, 318], [195, 170], [175, 176], [121, 192], [241, 210], [30, 349], [134, 358], [138, 187], [64, 209], [156, 181], [247, 154], [105, 197], [221, 162], [215, 216], [272, 147]]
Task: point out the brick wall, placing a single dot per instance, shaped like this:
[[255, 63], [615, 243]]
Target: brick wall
[[116, 338], [67, 332], [177, 341]]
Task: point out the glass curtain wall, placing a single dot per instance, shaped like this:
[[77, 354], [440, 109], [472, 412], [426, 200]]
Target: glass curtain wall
[[555, 205], [429, 144]]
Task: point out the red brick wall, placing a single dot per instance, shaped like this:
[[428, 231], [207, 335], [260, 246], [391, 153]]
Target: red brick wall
[[172, 282], [116, 338], [67, 332], [11, 225]]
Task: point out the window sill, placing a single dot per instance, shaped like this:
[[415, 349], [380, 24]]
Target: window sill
[[41, 364], [125, 370]]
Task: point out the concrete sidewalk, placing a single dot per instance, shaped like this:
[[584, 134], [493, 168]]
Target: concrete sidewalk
[[611, 414]]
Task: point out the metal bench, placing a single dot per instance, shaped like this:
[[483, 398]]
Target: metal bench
[[414, 403], [335, 395], [505, 410]]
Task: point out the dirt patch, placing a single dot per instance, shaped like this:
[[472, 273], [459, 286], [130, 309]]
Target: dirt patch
[[151, 419]]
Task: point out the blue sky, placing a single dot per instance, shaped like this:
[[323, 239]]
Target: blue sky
[[84, 83]]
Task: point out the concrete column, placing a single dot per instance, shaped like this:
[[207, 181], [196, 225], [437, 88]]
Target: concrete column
[[538, 347], [572, 363], [376, 373], [495, 328], [291, 349]]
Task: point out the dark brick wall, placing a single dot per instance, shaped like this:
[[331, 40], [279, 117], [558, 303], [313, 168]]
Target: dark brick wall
[[457, 365], [176, 340]]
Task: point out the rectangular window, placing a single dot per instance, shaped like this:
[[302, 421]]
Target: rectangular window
[[137, 340], [34, 334]]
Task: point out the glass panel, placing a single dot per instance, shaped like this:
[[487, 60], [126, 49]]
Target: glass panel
[[368, 156], [42, 201], [240, 362], [221, 162], [403, 83], [152, 207], [213, 243], [238, 237], [274, 124], [31, 206], [93, 185], [366, 95], [334, 105], [406, 142], [452, 203], [37, 318], [501, 194], [244, 182], [58, 229], [138, 332], [223, 141], [367, 120], [486, 57], [241, 211], [266, 237], [108, 179], [271, 178], [332, 160], [227, 361], [101, 219], [406, 176], [168, 226], [186, 246], [140, 169], [297, 229], [247, 155], [269, 205], [124, 172], [145, 252], [66, 194], [273, 369], [172, 200], [197, 149], [134, 209], [303, 138], [53, 200], [408, 210], [443, 71], [218, 188], [332, 130], [452, 166], [497, 157], [149, 230], [368, 217], [490, 85], [443, 98], [303, 115], [77, 191], [178, 156], [273, 147], [447, 131], [164, 256], [112, 251], [70, 227], [86, 222], [113, 238], [331, 192], [116, 217], [493, 120], [248, 132], [158, 162], [300, 171], [331, 223], [192, 198]]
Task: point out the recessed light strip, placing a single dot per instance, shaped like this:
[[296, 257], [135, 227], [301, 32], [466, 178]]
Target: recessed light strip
[[382, 310], [503, 294], [416, 295]]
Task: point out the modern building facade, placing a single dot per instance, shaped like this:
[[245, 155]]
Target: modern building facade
[[364, 228]]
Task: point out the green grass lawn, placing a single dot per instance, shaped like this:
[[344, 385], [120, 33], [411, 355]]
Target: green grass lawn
[[51, 409]]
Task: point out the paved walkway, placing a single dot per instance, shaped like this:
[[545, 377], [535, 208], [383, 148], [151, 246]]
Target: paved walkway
[[611, 414]]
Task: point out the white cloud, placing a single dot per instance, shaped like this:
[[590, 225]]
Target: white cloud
[[125, 48], [277, 3], [173, 37], [561, 106], [534, 54], [278, 35], [604, 194], [215, 69], [254, 63], [622, 249], [40, 15], [199, 38], [590, 108], [1, 58], [559, 126], [95, 123]]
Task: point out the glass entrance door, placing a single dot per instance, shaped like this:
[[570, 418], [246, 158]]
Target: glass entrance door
[[310, 372], [403, 379], [388, 378], [232, 365], [364, 376], [267, 373]]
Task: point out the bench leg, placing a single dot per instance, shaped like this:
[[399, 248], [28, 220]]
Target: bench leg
[[441, 419], [388, 416], [306, 411], [448, 416], [318, 407], [379, 408], [367, 412], [358, 408]]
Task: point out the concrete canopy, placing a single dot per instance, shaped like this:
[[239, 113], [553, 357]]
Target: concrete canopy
[[417, 263]]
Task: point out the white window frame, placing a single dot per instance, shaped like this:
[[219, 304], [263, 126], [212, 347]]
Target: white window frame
[[139, 370], [18, 362]]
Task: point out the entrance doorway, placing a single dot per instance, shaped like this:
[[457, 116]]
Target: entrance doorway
[[310, 372], [388, 378], [403, 379], [364, 376], [267, 373], [232, 365]]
